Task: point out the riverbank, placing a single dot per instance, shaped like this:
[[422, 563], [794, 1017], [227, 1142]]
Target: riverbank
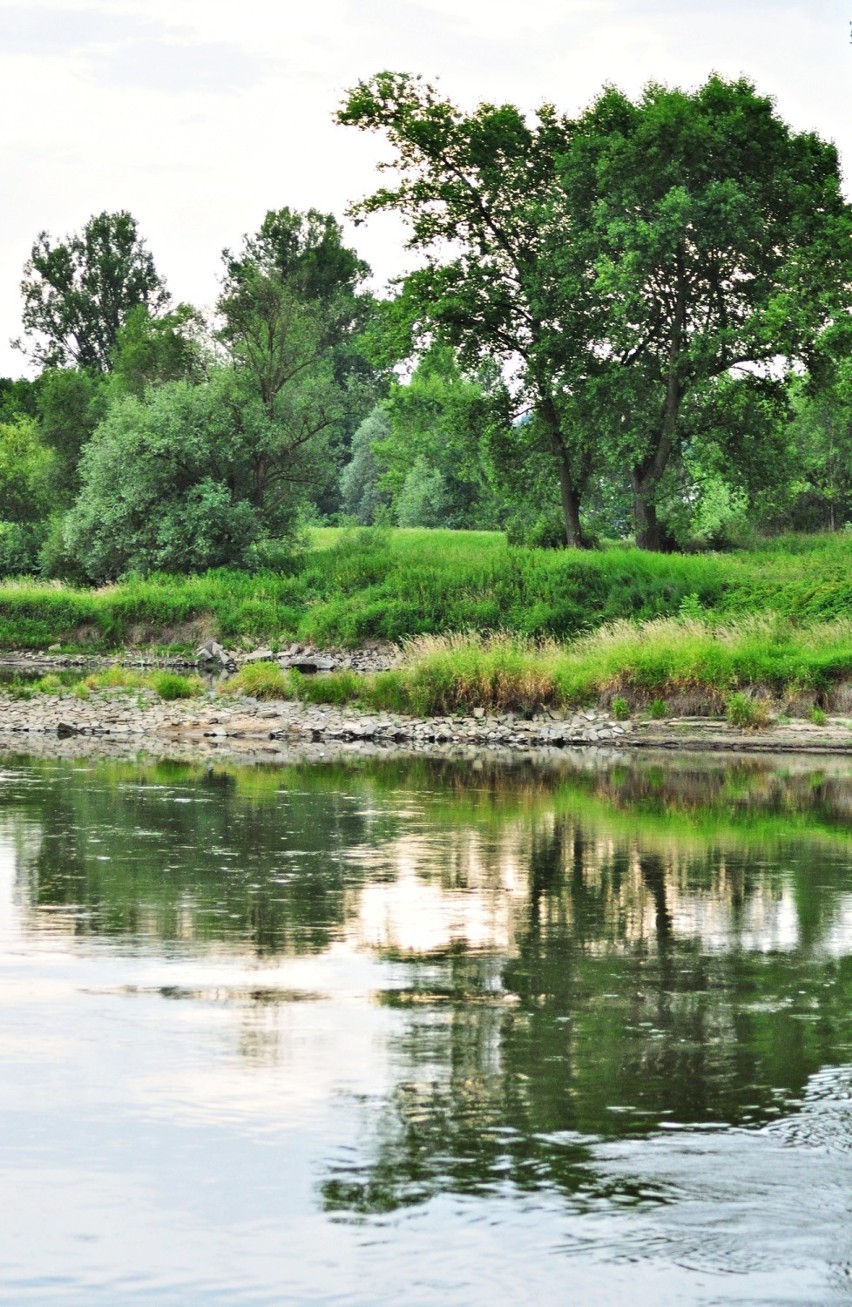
[[244, 726]]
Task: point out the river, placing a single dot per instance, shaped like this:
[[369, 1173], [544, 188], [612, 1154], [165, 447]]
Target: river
[[423, 1031]]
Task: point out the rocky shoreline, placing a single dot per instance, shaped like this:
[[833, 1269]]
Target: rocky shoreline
[[246, 725]]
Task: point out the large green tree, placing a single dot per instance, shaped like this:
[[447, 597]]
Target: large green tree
[[79, 292], [616, 264], [714, 241], [476, 191]]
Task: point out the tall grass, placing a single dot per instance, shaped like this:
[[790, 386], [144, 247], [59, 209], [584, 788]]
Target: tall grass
[[640, 663], [379, 584]]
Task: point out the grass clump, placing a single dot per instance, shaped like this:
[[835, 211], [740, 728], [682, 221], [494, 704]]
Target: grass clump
[[746, 712], [646, 661], [457, 673], [261, 680], [657, 709], [166, 685], [115, 678], [335, 687], [817, 717], [620, 708], [173, 685]]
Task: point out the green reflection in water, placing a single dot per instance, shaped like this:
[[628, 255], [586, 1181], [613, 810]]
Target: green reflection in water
[[581, 952]]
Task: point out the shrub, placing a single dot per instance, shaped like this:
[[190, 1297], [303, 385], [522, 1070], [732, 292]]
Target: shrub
[[817, 716], [658, 708]]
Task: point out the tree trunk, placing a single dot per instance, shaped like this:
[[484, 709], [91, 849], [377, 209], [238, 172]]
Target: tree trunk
[[645, 512], [645, 477], [570, 505], [569, 491]]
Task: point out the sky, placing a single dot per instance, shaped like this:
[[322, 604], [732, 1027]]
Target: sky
[[200, 115]]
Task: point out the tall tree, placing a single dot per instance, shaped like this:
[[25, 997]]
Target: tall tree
[[713, 239], [149, 350], [289, 310], [79, 292], [477, 193]]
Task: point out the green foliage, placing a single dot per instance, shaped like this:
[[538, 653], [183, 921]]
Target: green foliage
[[71, 402], [25, 472], [819, 490], [432, 455], [423, 499], [627, 266], [657, 709], [361, 494], [150, 351], [18, 398], [78, 293], [169, 483], [477, 192], [713, 236], [25, 495], [817, 716], [291, 312], [20, 548]]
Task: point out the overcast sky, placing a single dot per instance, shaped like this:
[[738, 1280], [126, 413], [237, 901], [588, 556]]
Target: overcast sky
[[199, 115]]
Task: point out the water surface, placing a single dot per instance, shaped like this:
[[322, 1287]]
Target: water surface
[[423, 1031]]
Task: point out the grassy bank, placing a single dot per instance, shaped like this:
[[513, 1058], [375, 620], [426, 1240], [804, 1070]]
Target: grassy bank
[[735, 667], [376, 584]]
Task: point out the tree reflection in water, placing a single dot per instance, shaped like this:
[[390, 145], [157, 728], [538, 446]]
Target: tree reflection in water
[[582, 952]]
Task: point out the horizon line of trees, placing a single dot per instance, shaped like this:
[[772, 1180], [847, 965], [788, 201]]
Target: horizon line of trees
[[640, 317]]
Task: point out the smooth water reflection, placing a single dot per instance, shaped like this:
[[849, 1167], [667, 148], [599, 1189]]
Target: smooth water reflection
[[427, 1031]]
